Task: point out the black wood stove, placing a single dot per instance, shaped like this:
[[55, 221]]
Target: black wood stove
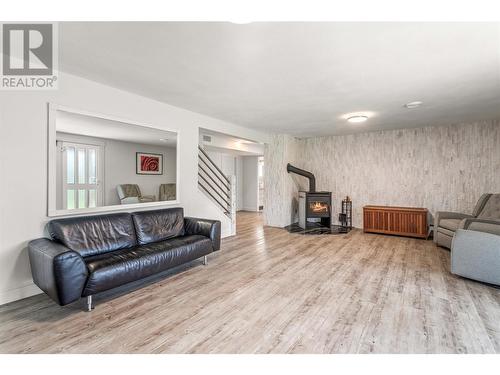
[[315, 207]]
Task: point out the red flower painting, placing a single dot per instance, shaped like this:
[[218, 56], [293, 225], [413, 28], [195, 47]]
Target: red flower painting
[[149, 163]]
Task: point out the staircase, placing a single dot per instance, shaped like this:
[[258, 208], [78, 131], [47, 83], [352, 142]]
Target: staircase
[[216, 185]]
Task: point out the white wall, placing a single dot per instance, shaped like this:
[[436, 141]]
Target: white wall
[[229, 165], [280, 188], [225, 162], [120, 168], [23, 162], [250, 183], [239, 183], [220, 142], [245, 168]]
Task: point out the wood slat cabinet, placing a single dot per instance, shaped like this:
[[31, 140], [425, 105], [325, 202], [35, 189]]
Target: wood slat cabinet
[[401, 221]]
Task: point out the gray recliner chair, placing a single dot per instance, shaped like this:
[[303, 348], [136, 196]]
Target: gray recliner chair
[[475, 254], [130, 193], [484, 218], [167, 192]]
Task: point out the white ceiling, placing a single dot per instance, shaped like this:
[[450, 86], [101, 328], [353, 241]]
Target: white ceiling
[[73, 123], [298, 78]]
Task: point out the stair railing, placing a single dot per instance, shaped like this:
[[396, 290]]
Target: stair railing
[[219, 187]]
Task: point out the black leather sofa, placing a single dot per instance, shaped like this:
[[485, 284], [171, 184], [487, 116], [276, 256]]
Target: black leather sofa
[[91, 254]]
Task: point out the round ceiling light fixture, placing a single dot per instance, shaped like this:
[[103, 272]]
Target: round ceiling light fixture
[[415, 104], [357, 119]]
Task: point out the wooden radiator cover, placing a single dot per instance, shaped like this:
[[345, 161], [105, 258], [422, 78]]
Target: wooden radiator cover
[[402, 221]]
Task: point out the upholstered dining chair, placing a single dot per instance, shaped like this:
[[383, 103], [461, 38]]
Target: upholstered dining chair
[[167, 192], [130, 193], [484, 218]]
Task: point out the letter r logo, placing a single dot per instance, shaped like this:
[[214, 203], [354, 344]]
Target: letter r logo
[[27, 49]]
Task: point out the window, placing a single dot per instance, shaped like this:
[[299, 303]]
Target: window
[[81, 175]]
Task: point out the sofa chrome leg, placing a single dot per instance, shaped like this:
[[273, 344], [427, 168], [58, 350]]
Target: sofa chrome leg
[[205, 260], [89, 303]]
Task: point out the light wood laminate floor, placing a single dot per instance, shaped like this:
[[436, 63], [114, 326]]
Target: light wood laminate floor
[[268, 291]]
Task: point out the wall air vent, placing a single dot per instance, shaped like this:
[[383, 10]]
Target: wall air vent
[[207, 138]]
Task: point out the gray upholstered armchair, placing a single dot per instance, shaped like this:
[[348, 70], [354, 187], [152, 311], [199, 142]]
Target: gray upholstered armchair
[[130, 193], [476, 254], [484, 218], [167, 192]]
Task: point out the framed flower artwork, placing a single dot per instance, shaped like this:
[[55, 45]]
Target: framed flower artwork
[[149, 163]]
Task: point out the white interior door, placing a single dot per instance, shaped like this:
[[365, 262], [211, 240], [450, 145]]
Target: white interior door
[[82, 170]]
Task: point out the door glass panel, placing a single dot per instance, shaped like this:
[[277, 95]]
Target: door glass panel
[[92, 167], [70, 165], [82, 198], [92, 198], [70, 199], [81, 166]]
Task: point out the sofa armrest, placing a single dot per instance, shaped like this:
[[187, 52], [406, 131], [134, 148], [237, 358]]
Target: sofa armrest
[[476, 255], [481, 225], [204, 227], [446, 215], [57, 270], [450, 215], [130, 200]]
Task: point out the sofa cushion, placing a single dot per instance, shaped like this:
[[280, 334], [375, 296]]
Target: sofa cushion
[[123, 266], [491, 208], [158, 225], [92, 235], [450, 224]]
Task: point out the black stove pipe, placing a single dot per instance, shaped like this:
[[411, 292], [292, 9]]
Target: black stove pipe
[[309, 175]]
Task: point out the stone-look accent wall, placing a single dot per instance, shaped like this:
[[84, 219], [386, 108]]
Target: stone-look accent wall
[[280, 190], [443, 168]]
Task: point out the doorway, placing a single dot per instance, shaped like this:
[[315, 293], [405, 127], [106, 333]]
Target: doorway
[[260, 175]]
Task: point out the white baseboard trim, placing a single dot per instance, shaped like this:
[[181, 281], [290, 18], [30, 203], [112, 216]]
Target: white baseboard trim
[[19, 293], [251, 209]]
